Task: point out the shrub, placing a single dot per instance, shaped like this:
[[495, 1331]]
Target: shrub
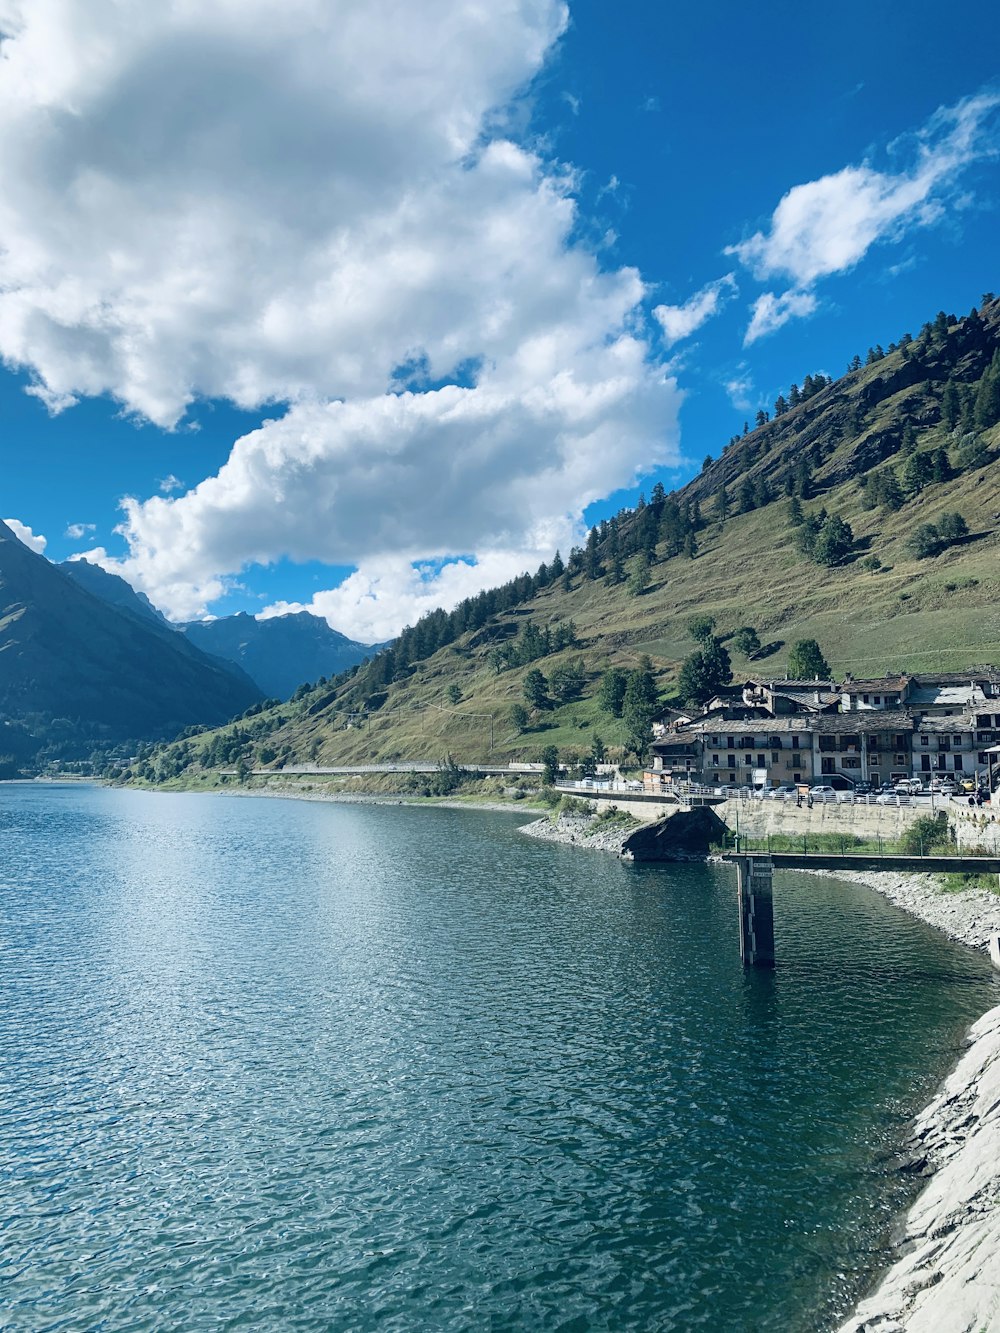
[[926, 836]]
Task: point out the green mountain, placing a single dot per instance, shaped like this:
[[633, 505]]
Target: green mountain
[[282, 652], [863, 513], [78, 674]]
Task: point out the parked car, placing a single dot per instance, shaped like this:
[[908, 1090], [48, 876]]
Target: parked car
[[944, 785], [783, 793], [863, 789], [909, 785], [823, 793], [893, 798]]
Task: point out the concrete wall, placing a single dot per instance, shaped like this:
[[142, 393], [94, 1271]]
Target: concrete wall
[[760, 818]]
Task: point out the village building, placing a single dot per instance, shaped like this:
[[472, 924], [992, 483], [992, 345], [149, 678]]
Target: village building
[[778, 732]]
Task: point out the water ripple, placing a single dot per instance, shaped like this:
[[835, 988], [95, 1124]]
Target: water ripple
[[270, 1065]]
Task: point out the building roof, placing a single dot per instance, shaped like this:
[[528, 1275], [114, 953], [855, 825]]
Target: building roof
[[883, 685], [943, 696], [850, 724]]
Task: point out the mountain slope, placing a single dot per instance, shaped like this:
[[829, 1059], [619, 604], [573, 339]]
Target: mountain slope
[[113, 589], [280, 653], [73, 666], [448, 686]]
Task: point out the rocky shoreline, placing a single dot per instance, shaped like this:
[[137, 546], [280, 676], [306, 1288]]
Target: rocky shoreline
[[945, 1276]]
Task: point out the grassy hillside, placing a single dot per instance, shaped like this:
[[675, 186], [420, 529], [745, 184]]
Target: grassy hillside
[[747, 568]]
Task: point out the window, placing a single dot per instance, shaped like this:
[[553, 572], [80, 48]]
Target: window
[[925, 763], [956, 740], [944, 742], [891, 700], [899, 759], [924, 740], [775, 756], [981, 757], [864, 698], [958, 763], [851, 761], [827, 742], [901, 742], [730, 742], [827, 766], [982, 719], [795, 742], [878, 698], [715, 761], [731, 759], [748, 760], [796, 777], [762, 761]]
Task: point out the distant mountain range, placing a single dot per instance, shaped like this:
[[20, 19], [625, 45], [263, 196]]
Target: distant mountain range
[[278, 654], [78, 672]]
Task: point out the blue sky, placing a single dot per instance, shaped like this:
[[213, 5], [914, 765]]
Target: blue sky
[[203, 244]]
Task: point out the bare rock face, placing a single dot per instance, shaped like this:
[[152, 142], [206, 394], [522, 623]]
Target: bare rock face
[[686, 833], [947, 1279]]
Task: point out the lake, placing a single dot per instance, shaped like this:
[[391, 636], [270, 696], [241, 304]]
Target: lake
[[273, 1064]]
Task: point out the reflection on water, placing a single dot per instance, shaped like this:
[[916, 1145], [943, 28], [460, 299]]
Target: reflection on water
[[276, 1065]]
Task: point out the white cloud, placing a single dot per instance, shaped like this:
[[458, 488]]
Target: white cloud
[[284, 206], [679, 321], [23, 533], [739, 388], [169, 484], [770, 312], [78, 530], [374, 602], [261, 203], [504, 467], [827, 226]]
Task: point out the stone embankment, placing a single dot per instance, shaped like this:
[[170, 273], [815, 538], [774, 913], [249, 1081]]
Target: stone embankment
[[582, 830], [948, 1277]]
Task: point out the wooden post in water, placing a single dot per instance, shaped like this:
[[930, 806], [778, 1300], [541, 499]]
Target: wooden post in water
[[754, 876]]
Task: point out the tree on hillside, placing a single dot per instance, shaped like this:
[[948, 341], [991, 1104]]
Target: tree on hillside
[[806, 661], [639, 706], [550, 761], [704, 673], [924, 542], [700, 628], [918, 472], [746, 641], [611, 693], [951, 405], [952, 527], [638, 574], [795, 515], [454, 693], [536, 689], [567, 680], [591, 560], [834, 542], [517, 716], [987, 404]]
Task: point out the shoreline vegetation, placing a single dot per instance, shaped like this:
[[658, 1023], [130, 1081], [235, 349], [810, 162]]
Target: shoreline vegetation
[[942, 1273]]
